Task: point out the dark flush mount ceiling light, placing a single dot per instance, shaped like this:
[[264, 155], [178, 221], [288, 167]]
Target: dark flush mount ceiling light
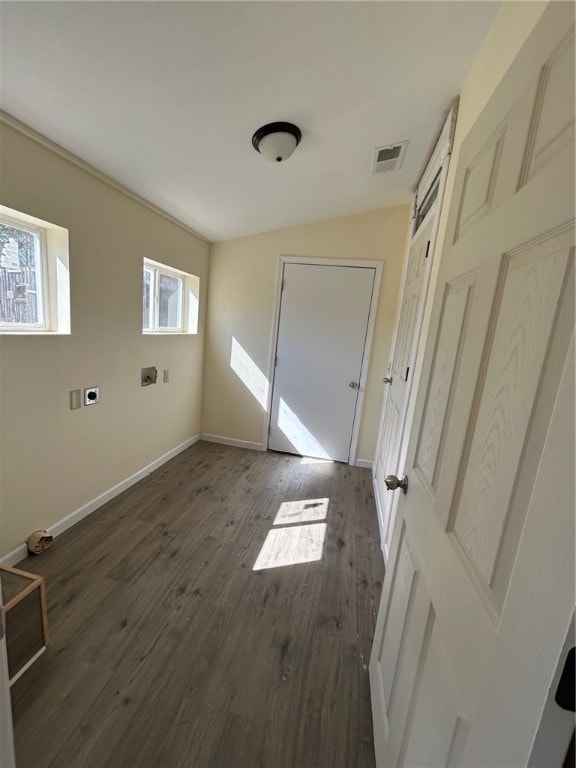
[[276, 141]]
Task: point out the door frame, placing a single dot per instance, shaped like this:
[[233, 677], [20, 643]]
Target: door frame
[[378, 266], [437, 166]]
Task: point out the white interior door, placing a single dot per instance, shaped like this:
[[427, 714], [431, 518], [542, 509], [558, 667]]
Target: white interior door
[[479, 592], [402, 373], [322, 334]]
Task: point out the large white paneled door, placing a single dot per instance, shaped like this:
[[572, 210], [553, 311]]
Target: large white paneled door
[[323, 329], [479, 591]]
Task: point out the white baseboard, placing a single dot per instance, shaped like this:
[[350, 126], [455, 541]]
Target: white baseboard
[[74, 517], [15, 556], [230, 441], [385, 554], [365, 463]]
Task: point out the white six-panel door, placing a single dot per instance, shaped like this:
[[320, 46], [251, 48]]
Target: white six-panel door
[[479, 591], [402, 372], [322, 335]]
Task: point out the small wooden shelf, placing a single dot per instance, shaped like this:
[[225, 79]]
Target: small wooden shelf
[[24, 598]]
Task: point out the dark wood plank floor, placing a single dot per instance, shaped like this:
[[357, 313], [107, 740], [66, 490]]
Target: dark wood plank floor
[[168, 649]]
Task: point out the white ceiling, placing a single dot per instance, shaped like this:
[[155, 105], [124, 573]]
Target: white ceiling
[[164, 97]]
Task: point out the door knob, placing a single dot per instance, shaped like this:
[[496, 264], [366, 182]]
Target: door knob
[[387, 379], [354, 384], [392, 483]]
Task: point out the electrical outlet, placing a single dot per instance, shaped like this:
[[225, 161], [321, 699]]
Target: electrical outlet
[[75, 399], [91, 395], [166, 375]]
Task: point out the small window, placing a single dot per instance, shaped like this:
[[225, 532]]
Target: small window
[[170, 300], [22, 275], [34, 281]]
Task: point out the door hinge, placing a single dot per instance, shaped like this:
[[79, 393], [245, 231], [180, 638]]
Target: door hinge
[[427, 249], [407, 372]]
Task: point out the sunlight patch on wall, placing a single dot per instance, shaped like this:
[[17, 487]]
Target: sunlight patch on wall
[[305, 511], [249, 373], [193, 309], [290, 546], [300, 437]]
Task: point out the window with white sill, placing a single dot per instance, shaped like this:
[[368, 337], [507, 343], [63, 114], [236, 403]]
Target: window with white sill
[[169, 300], [34, 275]]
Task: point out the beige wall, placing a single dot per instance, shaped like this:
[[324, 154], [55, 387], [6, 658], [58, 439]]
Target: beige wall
[[54, 460], [243, 275]]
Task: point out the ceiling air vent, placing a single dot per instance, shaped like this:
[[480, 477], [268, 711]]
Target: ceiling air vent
[[389, 158]]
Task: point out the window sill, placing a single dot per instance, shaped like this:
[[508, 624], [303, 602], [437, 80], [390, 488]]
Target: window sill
[[168, 333], [35, 333]]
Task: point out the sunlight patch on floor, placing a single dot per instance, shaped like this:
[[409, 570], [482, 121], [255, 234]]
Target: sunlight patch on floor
[[290, 546], [305, 511], [249, 373], [312, 460]]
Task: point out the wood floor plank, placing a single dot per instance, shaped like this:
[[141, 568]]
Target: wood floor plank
[[169, 649]]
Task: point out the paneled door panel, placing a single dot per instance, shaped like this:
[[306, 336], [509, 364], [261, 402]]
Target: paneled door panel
[[440, 386], [521, 325], [486, 528]]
